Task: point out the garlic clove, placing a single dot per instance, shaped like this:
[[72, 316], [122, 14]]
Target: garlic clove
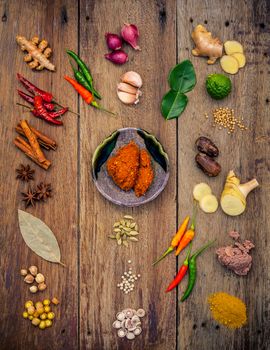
[[42, 286], [33, 270], [23, 272], [132, 78], [33, 289], [40, 278], [127, 98], [127, 88], [29, 279]]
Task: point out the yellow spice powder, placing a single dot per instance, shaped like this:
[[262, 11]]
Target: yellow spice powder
[[228, 310]]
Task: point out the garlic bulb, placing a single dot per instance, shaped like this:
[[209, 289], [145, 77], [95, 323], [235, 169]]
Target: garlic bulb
[[128, 90]]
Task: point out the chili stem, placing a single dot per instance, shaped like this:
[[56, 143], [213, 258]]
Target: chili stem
[[188, 253], [194, 214], [58, 104], [20, 104], [168, 251], [94, 104]]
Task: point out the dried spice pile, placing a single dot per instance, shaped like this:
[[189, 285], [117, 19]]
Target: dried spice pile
[[228, 310], [225, 118], [128, 323], [128, 280], [40, 314], [42, 192], [31, 275], [125, 231]]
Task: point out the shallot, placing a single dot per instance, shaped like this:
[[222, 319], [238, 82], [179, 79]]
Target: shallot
[[130, 34], [117, 57], [114, 42]]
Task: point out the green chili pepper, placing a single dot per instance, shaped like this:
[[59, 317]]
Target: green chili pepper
[[84, 74], [193, 270]]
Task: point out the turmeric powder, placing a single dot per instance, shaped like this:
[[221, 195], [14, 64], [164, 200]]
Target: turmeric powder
[[228, 310]]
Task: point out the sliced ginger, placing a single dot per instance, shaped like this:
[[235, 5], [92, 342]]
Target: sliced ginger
[[241, 58], [209, 203], [38, 53], [229, 64], [233, 46], [200, 190], [234, 58]]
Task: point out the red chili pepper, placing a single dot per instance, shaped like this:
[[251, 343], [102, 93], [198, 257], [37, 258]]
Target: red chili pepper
[[181, 273], [46, 96], [49, 106], [58, 113], [41, 112]]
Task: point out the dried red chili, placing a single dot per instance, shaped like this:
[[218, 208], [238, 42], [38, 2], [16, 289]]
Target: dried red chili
[[41, 112]]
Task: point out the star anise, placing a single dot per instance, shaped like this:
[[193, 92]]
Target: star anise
[[25, 173], [44, 191], [29, 197]]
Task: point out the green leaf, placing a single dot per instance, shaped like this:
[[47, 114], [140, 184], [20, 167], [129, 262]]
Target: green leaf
[[182, 77], [173, 104]]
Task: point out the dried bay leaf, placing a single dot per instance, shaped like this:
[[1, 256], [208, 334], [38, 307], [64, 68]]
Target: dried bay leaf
[[39, 237]]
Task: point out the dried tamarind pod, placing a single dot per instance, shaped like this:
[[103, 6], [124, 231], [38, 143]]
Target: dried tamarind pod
[[205, 145], [208, 165]]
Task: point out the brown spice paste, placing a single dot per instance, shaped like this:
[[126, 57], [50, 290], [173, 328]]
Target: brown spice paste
[[236, 257]]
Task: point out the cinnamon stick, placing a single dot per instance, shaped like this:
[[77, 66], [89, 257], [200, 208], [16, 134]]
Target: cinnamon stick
[[43, 140], [33, 142], [26, 148]]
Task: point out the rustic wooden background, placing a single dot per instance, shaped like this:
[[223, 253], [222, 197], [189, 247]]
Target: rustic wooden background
[[81, 218]]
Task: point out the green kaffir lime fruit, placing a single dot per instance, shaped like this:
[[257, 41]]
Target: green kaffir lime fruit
[[218, 86]]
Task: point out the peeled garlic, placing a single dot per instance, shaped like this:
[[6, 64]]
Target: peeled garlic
[[132, 78], [128, 89]]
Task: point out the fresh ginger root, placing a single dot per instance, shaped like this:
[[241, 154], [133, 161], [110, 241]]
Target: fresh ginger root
[[38, 53], [229, 64], [206, 45]]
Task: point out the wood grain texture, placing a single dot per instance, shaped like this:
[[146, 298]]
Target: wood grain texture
[[247, 22], [81, 219], [46, 19], [102, 262]]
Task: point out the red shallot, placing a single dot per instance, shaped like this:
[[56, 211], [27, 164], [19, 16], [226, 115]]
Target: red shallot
[[130, 34], [117, 57], [114, 42]]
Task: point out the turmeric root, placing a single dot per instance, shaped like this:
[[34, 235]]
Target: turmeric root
[[38, 53], [206, 45]]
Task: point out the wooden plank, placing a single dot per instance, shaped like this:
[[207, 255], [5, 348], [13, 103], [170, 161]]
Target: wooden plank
[[102, 262], [57, 22], [247, 22]]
